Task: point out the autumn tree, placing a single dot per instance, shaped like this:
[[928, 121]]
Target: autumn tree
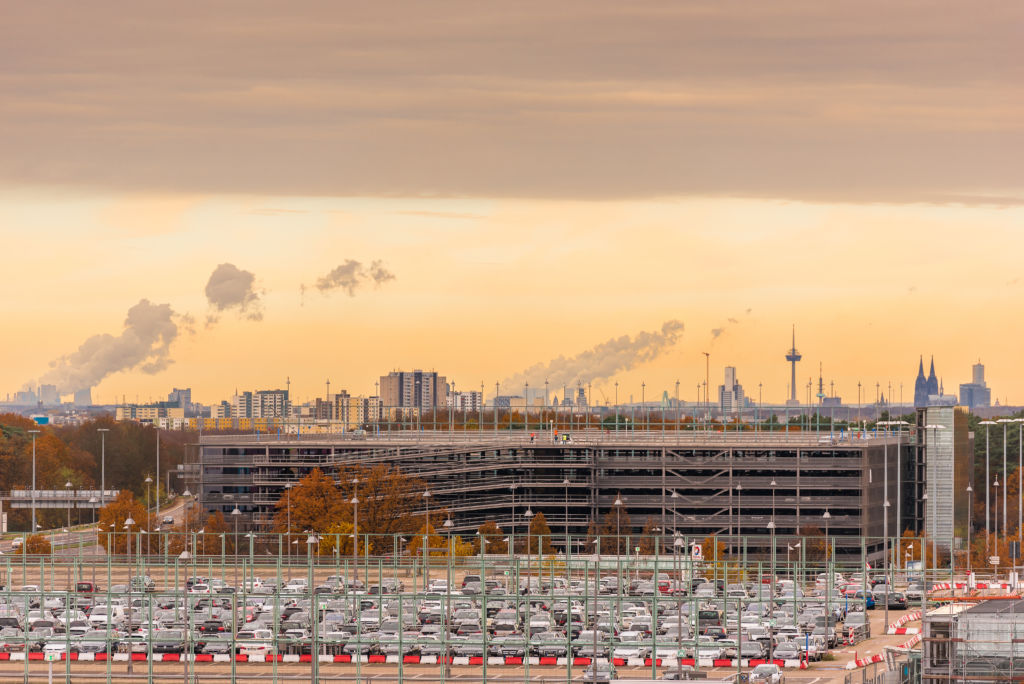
[[910, 549], [35, 544], [314, 504], [435, 543], [493, 539], [813, 540], [540, 535], [389, 504], [712, 549], [112, 533], [214, 536], [649, 538]]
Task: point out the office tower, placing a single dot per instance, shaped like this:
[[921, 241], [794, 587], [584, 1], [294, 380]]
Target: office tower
[[730, 394], [413, 389]]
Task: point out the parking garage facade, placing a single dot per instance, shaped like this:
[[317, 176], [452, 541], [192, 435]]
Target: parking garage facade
[[694, 484]]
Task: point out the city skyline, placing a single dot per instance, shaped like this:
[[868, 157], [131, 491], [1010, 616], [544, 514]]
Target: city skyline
[[497, 188]]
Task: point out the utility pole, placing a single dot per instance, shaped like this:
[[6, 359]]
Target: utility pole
[[707, 381]]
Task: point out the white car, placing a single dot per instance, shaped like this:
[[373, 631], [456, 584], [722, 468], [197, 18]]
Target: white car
[[709, 649], [767, 673], [438, 586], [255, 642], [631, 645]]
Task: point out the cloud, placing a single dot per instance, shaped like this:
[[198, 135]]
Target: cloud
[[442, 215], [600, 362], [379, 274], [144, 344], [872, 101], [229, 287], [351, 275]]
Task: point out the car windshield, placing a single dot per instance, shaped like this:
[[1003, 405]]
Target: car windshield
[[764, 670]]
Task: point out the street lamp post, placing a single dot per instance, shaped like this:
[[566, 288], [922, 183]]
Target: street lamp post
[[426, 535], [826, 516], [288, 529], [565, 483], [92, 504], [128, 526], [739, 518], [675, 527], [235, 515], [148, 481], [970, 505], [1020, 469], [67, 489], [529, 546], [885, 554], [618, 531], [677, 545], [995, 523], [448, 524], [33, 433], [771, 530], [1004, 421], [988, 542], [355, 530], [103, 465]]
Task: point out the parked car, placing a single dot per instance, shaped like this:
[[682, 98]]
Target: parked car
[[600, 673], [769, 673], [896, 600]]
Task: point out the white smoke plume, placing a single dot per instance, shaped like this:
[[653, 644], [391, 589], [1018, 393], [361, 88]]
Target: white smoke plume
[[717, 332], [603, 361], [230, 287], [149, 330], [352, 275]]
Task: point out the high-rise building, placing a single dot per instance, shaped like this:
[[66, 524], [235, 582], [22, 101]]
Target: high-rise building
[[416, 389], [242, 405], [271, 404], [946, 442], [976, 393], [181, 397], [730, 395], [467, 402]]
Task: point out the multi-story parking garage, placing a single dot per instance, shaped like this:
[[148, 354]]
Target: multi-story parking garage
[[695, 483]]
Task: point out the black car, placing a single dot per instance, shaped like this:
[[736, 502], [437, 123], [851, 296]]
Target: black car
[[896, 600]]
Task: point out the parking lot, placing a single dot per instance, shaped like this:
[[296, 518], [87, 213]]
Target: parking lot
[[512, 619]]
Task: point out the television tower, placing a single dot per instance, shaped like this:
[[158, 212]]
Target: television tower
[[793, 356]]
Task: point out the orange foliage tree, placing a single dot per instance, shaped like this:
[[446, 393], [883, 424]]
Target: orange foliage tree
[[389, 504], [35, 544], [494, 538], [540, 535], [112, 533]]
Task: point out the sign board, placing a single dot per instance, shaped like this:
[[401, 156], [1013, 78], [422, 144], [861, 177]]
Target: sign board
[[696, 551], [993, 560], [51, 656]]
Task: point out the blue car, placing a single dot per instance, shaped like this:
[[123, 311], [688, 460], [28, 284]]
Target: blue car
[[868, 598]]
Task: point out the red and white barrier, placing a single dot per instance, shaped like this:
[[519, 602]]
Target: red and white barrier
[[878, 657], [898, 628], [407, 660]]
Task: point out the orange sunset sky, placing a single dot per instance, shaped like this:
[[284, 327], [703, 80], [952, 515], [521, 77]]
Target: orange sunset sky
[[516, 182]]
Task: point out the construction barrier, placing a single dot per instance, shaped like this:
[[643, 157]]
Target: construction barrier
[[345, 658]]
